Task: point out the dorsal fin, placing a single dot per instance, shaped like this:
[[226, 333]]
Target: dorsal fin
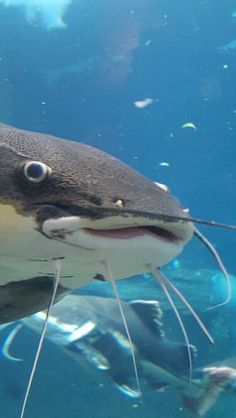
[[150, 313]]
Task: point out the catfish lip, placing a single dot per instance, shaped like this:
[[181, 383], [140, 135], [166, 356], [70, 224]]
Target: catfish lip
[[54, 222], [134, 231]]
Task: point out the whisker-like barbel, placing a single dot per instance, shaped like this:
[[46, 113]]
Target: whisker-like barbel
[[215, 254], [109, 276], [162, 284], [185, 302], [42, 336]]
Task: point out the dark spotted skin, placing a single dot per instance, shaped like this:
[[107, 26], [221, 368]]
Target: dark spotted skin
[[84, 180]]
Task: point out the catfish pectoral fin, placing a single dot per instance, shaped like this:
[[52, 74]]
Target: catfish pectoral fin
[[23, 298]]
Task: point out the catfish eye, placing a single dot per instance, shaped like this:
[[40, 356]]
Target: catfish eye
[[36, 171]]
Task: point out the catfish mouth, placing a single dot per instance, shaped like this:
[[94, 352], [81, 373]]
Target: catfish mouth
[[131, 242], [116, 227], [128, 232], [57, 220]]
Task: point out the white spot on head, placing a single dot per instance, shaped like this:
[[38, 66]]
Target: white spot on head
[[162, 186], [119, 203]]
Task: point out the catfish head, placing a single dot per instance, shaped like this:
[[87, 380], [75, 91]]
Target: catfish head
[[64, 199]]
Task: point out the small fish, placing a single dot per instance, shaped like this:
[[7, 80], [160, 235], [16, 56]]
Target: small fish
[[164, 164], [91, 331], [141, 104], [189, 125]]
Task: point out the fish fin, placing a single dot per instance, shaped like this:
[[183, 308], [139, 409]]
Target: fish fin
[[192, 405], [215, 380], [8, 342], [150, 313], [94, 346], [128, 391], [199, 406], [101, 348], [94, 357]]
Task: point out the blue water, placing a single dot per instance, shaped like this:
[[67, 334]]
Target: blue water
[[81, 81]]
